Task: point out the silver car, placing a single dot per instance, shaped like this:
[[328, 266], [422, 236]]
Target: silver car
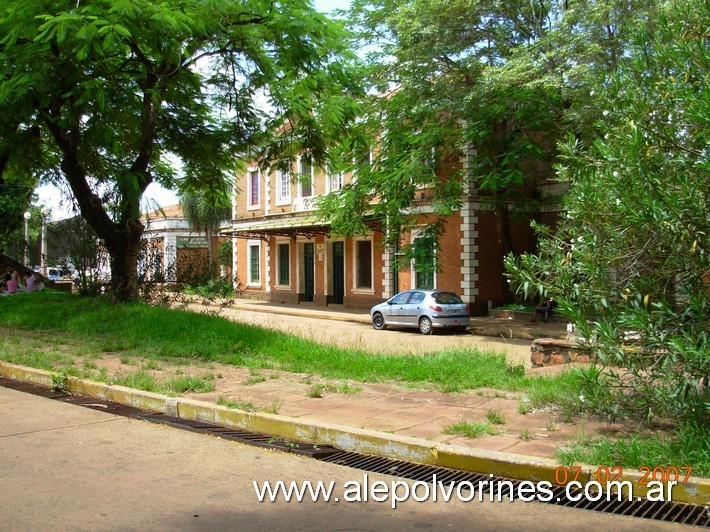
[[424, 309]]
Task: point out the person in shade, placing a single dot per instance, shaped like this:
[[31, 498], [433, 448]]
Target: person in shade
[[544, 309], [11, 286], [31, 282], [15, 276]]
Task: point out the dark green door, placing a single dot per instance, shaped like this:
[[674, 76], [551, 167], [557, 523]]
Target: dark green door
[[338, 273], [308, 272]]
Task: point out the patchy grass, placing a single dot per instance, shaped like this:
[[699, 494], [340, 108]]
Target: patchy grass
[[237, 405], [254, 378], [318, 389], [140, 380], [69, 327], [185, 384], [145, 332], [687, 445], [471, 429], [495, 417]]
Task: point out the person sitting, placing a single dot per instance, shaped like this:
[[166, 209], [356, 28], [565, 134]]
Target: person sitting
[[15, 276], [544, 309], [11, 285], [31, 284]]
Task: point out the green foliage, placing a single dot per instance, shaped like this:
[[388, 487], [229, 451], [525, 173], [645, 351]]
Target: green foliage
[[189, 384], [110, 96], [221, 287], [688, 444], [470, 429], [224, 252], [237, 405], [79, 242], [495, 417], [14, 201], [59, 382], [473, 97], [633, 247], [157, 332]]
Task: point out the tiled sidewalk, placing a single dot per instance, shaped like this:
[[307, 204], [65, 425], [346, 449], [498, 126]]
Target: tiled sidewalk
[[416, 413]]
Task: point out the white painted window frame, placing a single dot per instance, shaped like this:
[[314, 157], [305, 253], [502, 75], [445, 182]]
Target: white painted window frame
[[250, 171], [250, 250]]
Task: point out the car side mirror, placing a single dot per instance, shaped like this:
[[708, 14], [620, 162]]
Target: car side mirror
[[390, 302]]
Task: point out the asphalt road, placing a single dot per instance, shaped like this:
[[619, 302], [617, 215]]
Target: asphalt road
[[65, 467]]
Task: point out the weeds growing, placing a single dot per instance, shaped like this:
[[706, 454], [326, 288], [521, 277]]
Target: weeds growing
[[471, 429]]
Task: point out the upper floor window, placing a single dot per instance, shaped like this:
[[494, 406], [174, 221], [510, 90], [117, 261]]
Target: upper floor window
[[305, 177], [335, 181], [283, 186], [253, 184]]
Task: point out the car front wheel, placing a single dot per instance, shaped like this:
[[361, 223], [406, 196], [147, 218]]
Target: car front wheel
[[378, 321], [425, 326]]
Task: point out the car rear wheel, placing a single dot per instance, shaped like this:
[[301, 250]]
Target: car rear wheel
[[378, 321], [425, 326]]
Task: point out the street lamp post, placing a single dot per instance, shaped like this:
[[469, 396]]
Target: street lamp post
[[43, 244], [27, 216]]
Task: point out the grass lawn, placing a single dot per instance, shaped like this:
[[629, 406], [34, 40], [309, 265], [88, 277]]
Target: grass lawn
[[160, 333], [53, 327]]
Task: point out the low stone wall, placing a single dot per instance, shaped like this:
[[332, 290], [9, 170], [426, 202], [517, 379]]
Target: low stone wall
[[553, 352], [526, 316]]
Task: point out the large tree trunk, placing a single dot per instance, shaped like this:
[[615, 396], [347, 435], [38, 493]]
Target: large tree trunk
[[123, 246], [123, 238]]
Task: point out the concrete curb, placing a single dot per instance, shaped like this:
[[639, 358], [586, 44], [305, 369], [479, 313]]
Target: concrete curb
[[695, 491]]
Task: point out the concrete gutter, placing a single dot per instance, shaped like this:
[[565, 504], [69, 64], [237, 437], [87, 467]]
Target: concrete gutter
[[695, 491]]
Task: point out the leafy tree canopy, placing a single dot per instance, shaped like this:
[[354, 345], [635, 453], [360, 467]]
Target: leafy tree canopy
[[108, 94], [632, 249], [496, 84]]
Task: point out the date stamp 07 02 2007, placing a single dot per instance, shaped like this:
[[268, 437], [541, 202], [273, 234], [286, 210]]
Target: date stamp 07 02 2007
[[604, 474]]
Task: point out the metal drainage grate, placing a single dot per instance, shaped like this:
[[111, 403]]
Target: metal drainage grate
[[673, 512]]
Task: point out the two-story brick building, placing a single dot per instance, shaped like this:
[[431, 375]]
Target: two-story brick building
[[283, 253]]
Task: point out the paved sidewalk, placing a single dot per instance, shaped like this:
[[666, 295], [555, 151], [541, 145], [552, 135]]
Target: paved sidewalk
[[480, 325], [408, 412]]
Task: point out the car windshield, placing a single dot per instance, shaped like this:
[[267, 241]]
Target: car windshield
[[446, 298]]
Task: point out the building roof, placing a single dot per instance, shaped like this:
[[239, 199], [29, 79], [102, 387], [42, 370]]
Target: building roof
[[171, 211]]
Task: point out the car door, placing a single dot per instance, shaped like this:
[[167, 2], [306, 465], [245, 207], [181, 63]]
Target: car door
[[396, 308], [413, 309]]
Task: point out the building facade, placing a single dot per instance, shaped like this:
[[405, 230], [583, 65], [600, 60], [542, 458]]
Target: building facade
[[284, 253]]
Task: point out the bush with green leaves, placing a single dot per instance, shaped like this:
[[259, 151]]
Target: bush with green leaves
[[631, 252]]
